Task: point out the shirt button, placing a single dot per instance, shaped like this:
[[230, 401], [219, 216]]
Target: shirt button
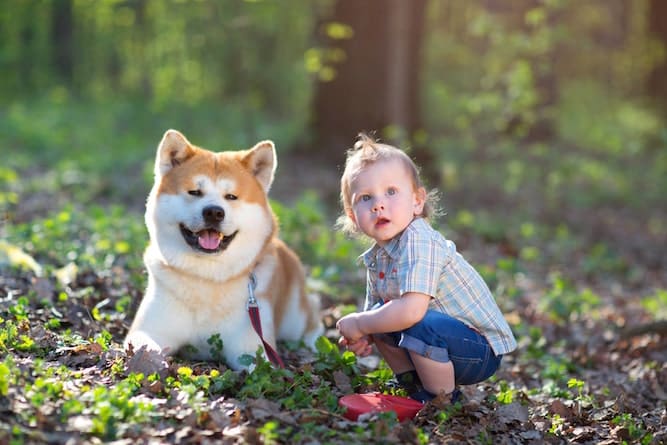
[[381, 275]]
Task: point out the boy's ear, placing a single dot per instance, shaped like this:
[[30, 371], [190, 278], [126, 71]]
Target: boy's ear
[[420, 201], [350, 214]]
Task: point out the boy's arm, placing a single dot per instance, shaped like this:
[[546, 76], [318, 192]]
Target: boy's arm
[[395, 315]]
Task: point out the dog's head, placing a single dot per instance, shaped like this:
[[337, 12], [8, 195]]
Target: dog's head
[[210, 204]]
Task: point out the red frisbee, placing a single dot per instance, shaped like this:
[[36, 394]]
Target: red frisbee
[[358, 404]]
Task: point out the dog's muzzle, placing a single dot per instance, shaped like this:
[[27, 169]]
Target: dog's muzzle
[[209, 239]]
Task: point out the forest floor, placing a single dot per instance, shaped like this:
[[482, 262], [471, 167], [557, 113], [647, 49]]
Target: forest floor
[[589, 314]]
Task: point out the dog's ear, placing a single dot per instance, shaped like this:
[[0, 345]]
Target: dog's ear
[[173, 150], [261, 161]]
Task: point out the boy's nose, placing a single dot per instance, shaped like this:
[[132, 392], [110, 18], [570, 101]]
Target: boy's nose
[[378, 206]]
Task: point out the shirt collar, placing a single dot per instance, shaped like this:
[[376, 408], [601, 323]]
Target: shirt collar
[[368, 257], [392, 248]]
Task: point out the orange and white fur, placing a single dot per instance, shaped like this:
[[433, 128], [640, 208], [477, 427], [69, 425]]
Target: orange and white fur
[[210, 227]]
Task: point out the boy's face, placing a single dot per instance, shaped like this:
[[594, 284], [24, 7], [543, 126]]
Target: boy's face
[[384, 200]]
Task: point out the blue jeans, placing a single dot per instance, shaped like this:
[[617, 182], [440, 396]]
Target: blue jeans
[[443, 338]]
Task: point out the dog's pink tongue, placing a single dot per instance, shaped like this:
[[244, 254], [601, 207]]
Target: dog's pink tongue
[[209, 239]]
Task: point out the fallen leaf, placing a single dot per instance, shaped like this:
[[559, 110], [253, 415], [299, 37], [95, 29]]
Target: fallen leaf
[[147, 362], [513, 412], [558, 407], [531, 435], [342, 382], [262, 408], [583, 433]]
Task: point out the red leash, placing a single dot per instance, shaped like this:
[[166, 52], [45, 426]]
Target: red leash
[[253, 312]]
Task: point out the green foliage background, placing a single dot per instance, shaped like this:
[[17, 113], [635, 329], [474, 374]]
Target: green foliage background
[[541, 102], [497, 79]]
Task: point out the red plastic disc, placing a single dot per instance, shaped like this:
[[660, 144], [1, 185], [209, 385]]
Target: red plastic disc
[[358, 404]]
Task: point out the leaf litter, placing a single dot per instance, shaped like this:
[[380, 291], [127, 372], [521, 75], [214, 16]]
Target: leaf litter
[[64, 377]]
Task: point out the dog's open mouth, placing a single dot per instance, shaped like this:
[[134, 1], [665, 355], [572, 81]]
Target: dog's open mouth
[[207, 240]]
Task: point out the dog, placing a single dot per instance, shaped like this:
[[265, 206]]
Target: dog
[[211, 231]]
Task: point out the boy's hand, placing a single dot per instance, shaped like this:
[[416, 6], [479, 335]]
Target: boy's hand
[[349, 327], [361, 347]]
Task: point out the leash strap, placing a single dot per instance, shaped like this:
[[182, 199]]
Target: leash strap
[[253, 312]]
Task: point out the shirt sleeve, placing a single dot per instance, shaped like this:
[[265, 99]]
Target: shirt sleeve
[[422, 260]]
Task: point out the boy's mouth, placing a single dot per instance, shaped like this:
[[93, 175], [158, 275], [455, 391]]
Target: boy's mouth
[[381, 221]]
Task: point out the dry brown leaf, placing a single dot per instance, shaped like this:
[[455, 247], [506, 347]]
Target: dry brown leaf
[[513, 412], [558, 407], [147, 362], [342, 382]]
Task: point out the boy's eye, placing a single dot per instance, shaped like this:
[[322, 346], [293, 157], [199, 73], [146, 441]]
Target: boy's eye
[[195, 192], [231, 197], [365, 197], [391, 191]]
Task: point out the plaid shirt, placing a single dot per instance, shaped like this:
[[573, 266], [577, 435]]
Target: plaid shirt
[[422, 260]]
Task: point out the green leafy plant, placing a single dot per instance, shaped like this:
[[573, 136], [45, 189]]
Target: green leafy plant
[[537, 345], [7, 370], [656, 304], [269, 432], [216, 346], [602, 259], [330, 359], [562, 301], [8, 334], [9, 181], [636, 430], [95, 238], [506, 394], [113, 406], [221, 383], [557, 423], [265, 381], [583, 399]]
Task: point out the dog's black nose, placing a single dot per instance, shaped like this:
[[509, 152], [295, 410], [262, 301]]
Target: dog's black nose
[[213, 214]]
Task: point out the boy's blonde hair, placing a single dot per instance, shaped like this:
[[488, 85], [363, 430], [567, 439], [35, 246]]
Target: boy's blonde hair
[[367, 151]]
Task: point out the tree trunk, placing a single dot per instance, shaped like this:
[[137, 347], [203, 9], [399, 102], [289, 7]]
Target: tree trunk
[[377, 83], [61, 32], [657, 82]]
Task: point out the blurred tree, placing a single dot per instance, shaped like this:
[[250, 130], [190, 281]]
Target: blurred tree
[[61, 40], [657, 84], [376, 47]]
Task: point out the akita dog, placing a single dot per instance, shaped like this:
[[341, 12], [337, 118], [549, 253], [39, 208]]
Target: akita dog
[[211, 232]]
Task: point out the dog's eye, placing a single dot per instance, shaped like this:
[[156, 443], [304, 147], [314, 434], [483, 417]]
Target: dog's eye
[[231, 197], [195, 192]]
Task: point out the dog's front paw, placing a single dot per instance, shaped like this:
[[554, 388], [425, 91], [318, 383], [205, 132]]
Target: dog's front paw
[[137, 340]]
